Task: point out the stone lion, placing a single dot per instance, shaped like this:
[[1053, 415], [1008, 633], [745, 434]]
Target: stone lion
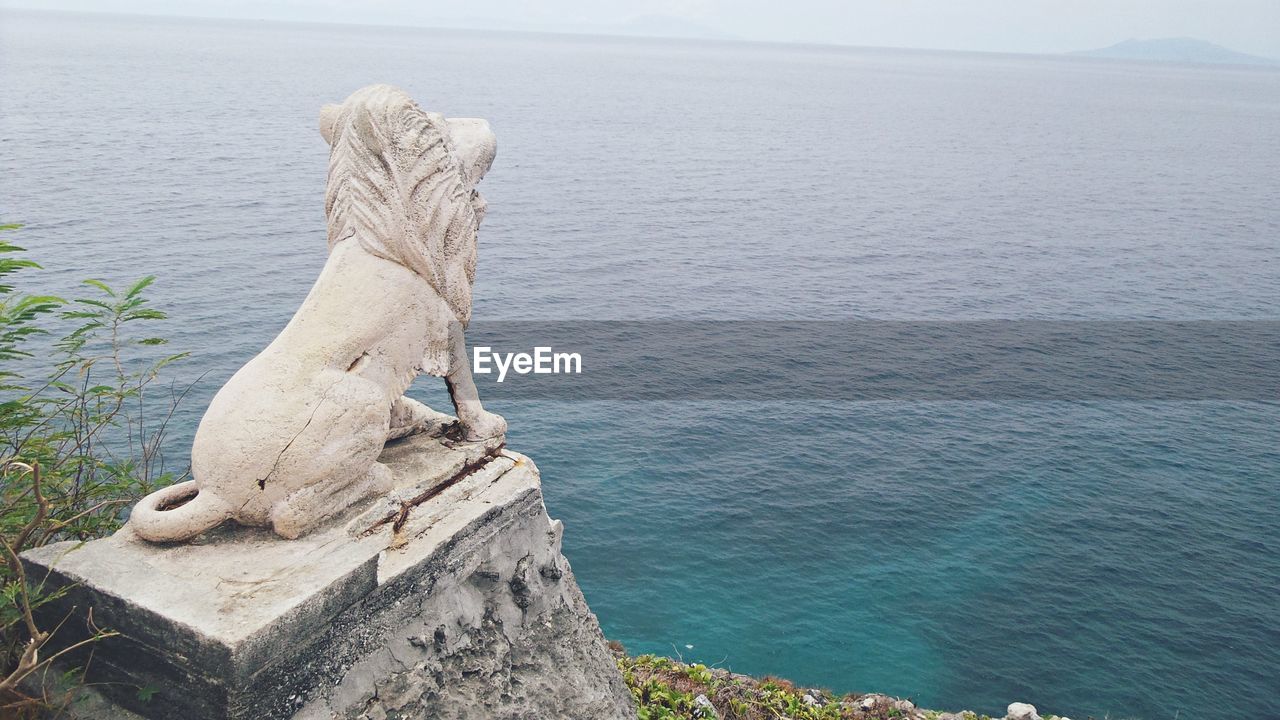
[[293, 438]]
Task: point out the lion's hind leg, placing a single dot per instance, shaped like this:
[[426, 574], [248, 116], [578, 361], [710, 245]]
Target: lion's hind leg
[[408, 416], [301, 512]]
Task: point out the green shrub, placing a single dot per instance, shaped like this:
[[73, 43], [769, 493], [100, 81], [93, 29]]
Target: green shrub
[[75, 447], [665, 689]]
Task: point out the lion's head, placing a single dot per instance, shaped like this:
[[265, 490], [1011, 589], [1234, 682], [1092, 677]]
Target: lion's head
[[402, 182]]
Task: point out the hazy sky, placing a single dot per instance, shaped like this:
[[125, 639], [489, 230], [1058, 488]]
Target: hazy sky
[[1251, 26]]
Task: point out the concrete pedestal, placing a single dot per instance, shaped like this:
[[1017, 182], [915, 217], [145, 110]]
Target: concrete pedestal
[[449, 599]]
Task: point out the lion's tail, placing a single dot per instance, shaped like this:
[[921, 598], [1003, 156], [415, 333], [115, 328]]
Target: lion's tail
[[177, 512]]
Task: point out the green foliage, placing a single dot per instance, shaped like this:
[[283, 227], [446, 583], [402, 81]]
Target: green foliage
[[665, 689], [76, 446]]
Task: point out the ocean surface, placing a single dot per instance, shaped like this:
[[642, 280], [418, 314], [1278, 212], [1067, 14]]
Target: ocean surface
[[1104, 558]]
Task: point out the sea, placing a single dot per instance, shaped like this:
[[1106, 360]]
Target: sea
[[1096, 556]]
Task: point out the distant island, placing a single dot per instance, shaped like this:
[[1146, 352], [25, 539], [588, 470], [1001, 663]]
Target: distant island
[[1187, 50]]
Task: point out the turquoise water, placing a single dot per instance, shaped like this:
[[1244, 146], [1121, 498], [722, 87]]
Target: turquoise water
[[1093, 558]]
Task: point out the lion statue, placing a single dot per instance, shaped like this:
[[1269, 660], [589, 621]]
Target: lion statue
[[293, 438]]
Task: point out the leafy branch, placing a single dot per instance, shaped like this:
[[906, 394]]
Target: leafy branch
[[75, 447]]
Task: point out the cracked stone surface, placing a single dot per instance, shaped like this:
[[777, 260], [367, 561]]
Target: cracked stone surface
[[449, 598]]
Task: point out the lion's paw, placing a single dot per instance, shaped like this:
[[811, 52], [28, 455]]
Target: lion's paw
[[483, 426]]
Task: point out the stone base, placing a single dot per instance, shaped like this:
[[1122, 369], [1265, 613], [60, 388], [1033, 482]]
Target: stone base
[[449, 599]]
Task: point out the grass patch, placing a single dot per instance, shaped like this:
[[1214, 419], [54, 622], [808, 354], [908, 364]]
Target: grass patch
[[666, 689]]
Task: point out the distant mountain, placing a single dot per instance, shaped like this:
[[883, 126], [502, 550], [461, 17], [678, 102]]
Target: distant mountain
[[1188, 50]]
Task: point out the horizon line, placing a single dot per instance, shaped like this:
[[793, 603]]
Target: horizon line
[[1073, 54]]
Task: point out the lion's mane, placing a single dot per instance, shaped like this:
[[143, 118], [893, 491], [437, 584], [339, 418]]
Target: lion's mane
[[396, 185]]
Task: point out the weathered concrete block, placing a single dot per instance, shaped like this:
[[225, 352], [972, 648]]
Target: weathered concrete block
[[449, 599]]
